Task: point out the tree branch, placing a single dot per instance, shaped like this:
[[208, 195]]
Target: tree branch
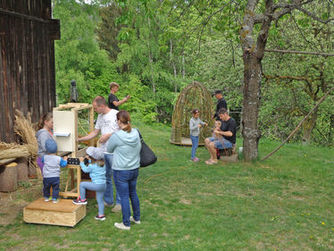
[[313, 16], [301, 52], [299, 125]]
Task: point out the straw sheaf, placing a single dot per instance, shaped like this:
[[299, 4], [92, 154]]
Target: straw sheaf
[[24, 129], [8, 151]]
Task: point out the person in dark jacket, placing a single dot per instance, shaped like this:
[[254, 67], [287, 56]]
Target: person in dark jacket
[[221, 103]]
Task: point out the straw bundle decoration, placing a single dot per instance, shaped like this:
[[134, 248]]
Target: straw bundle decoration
[[23, 127], [8, 151]]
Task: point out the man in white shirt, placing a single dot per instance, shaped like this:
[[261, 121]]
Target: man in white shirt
[[106, 124]]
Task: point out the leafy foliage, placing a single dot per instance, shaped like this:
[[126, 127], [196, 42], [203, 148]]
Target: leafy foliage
[[153, 49]]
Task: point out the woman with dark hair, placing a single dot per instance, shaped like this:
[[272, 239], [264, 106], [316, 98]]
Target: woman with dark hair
[[45, 127], [125, 144]]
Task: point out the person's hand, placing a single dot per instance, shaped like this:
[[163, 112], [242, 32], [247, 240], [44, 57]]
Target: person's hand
[[199, 125], [81, 159], [65, 157], [104, 138], [127, 97], [206, 124]]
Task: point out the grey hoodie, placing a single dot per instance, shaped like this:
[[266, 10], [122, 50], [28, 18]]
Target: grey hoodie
[[42, 136]]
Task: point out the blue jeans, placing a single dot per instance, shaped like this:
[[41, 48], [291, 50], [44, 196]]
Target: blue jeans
[[126, 182], [194, 141], [108, 194], [222, 143], [99, 188], [47, 184]]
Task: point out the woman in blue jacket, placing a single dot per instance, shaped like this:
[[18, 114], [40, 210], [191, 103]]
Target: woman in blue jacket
[[125, 144]]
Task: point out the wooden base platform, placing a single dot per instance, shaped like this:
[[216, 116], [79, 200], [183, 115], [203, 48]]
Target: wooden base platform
[[185, 142], [63, 213]]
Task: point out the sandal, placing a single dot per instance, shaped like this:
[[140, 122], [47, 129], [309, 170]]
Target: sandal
[[211, 162]]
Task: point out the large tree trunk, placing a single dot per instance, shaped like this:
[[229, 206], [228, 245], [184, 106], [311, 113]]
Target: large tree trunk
[[308, 126], [252, 55], [251, 103]]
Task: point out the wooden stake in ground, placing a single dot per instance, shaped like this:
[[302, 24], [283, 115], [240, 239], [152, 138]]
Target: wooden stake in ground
[[299, 125]]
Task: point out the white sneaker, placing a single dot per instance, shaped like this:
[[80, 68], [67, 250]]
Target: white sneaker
[[133, 220], [116, 208], [121, 226]]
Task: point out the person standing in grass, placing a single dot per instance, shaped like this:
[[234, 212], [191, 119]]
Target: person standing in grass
[[45, 127], [195, 124], [221, 103], [51, 170], [126, 145], [113, 101], [106, 124], [94, 165]]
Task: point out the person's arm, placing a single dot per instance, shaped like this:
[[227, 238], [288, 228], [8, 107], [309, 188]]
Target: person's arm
[[203, 123], [118, 103], [224, 133], [84, 168], [104, 138], [90, 136], [111, 144], [63, 162], [43, 137]]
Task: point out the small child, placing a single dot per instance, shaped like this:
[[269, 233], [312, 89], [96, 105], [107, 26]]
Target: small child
[[94, 165], [195, 124], [216, 129], [51, 170]]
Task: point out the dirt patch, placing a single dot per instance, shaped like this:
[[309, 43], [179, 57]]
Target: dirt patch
[[11, 204]]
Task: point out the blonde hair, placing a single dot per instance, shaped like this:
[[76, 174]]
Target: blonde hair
[[112, 84]]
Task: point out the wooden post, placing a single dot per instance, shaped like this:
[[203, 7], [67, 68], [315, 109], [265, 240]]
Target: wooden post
[[22, 169], [8, 177]]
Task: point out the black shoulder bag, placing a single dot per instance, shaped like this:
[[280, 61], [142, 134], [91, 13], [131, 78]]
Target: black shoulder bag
[[147, 156]]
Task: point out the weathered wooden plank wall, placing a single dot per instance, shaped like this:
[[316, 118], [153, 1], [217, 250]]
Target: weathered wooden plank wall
[[27, 74]]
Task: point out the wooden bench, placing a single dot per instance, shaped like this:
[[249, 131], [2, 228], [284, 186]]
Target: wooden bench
[[228, 154]]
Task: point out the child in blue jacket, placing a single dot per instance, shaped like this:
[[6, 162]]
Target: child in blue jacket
[[97, 172]]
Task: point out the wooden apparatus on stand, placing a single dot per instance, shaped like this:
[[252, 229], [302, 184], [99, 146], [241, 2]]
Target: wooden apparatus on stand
[[64, 213], [65, 124]]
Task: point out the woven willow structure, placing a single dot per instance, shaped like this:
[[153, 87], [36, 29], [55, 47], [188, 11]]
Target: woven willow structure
[[195, 95]]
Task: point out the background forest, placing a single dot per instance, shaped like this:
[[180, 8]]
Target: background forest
[[153, 49]]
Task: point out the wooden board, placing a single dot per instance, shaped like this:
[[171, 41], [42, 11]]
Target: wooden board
[[64, 122], [63, 213]]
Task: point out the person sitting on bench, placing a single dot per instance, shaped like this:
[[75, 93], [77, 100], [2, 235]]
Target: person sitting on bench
[[228, 131]]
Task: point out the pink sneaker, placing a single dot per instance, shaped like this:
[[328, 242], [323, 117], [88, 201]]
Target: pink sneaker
[[195, 159]]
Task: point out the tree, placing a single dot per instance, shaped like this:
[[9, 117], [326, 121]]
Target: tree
[[253, 46]]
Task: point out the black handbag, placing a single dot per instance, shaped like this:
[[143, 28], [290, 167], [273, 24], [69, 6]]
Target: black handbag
[[147, 156]]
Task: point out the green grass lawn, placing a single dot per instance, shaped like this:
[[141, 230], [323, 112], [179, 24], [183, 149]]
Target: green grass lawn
[[283, 203]]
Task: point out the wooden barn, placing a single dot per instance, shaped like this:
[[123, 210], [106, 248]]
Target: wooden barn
[[27, 62]]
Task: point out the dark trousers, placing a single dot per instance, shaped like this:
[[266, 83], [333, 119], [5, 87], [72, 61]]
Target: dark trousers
[[48, 183]]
